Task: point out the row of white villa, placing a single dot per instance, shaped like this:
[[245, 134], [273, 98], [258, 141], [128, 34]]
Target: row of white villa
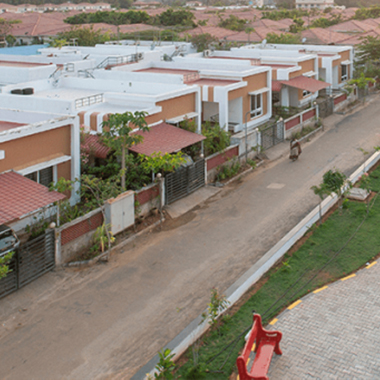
[[22, 8], [46, 98]]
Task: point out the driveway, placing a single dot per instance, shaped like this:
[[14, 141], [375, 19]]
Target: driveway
[[109, 320]]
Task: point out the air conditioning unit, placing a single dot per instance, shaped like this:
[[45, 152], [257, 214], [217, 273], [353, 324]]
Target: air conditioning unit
[[207, 53]]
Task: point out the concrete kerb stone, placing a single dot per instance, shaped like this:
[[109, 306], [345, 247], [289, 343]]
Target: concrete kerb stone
[[311, 134], [196, 328]]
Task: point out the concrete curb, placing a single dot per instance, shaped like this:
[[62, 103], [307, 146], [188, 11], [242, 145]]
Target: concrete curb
[[197, 328], [237, 176], [120, 245], [311, 134]]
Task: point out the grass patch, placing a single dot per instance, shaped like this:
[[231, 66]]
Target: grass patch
[[300, 268]]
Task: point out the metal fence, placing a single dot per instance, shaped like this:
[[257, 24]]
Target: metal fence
[[272, 135], [30, 261], [184, 181]]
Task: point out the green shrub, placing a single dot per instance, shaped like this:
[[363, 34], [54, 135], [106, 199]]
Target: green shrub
[[217, 139]]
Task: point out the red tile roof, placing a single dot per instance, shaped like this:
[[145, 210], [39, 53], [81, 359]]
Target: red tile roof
[[165, 138], [93, 144], [20, 196], [276, 85], [306, 83], [320, 36]]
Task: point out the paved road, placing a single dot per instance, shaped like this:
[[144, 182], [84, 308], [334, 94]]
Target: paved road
[[333, 334], [109, 320]]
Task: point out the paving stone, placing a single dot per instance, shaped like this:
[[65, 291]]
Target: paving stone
[[333, 334]]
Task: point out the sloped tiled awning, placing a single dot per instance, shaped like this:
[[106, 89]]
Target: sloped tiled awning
[[276, 86], [165, 138], [20, 196], [92, 145], [305, 83]]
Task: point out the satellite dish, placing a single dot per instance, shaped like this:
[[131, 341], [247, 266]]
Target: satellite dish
[[264, 43], [304, 40]]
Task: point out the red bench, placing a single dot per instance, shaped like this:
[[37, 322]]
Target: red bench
[[265, 343]]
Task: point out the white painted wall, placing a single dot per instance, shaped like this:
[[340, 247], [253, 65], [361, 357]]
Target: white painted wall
[[121, 75], [36, 104], [235, 110], [335, 73], [293, 97], [120, 211], [25, 74]]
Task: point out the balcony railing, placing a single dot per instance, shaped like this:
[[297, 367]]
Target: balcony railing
[[88, 100]]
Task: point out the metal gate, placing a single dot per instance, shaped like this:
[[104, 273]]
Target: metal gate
[[30, 261], [272, 135], [184, 181]]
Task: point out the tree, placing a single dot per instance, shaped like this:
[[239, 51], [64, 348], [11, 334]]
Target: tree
[[273, 38], [4, 260], [233, 23], [249, 30], [159, 161], [334, 181], [368, 50], [297, 25], [84, 36], [362, 81], [117, 132], [203, 41], [6, 27], [173, 17]]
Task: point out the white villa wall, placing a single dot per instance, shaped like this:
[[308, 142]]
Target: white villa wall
[[10, 74], [15, 116], [33, 103], [103, 85], [41, 58], [118, 74], [235, 110]]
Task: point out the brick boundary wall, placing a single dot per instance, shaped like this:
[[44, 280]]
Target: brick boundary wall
[[145, 195], [340, 99], [292, 123], [308, 115], [221, 158], [83, 226]]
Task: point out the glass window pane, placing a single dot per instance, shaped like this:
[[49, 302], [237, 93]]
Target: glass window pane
[[46, 176], [32, 176]]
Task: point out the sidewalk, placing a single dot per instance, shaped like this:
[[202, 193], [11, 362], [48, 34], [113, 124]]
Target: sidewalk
[[333, 333]]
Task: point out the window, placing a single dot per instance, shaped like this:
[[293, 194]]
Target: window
[[44, 176], [344, 73], [256, 105], [305, 93]]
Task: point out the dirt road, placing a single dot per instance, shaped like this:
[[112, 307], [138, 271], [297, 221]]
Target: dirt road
[[109, 320]]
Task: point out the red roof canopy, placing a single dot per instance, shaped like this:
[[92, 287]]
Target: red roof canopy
[[20, 196], [165, 138], [306, 83], [93, 145], [276, 86]]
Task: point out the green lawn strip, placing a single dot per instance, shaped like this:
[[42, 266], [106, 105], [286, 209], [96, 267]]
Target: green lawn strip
[[316, 252]]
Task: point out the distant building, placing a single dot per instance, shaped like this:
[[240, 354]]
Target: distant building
[[146, 4], [318, 4], [193, 4], [263, 3]]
